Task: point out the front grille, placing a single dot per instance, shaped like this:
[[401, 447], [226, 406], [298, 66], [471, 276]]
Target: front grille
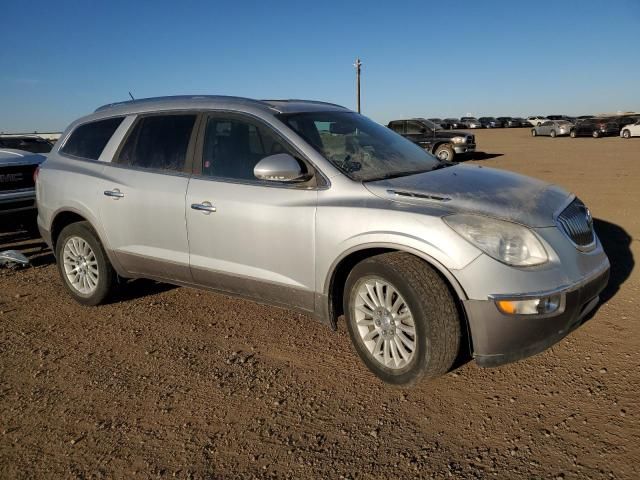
[[16, 177], [577, 223]]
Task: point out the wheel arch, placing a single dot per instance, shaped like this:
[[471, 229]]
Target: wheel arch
[[68, 216], [334, 284]]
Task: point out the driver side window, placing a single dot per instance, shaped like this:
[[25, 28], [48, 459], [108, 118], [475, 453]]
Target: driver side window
[[233, 146], [415, 128]]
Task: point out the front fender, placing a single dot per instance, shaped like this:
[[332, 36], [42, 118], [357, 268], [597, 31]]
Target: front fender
[[402, 247]]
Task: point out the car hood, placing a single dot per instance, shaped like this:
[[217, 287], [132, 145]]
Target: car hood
[[480, 190], [11, 156], [450, 134]]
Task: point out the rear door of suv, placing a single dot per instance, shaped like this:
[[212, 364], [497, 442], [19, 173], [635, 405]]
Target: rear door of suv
[[247, 236], [142, 204]]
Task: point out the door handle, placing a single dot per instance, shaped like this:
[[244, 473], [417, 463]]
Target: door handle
[[204, 207], [115, 193]]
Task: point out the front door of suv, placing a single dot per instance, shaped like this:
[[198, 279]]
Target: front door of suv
[[143, 193], [249, 237]]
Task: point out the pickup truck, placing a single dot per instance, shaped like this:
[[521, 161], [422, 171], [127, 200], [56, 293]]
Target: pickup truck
[[17, 190], [444, 144]]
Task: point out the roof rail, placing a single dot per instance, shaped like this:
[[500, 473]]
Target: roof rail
[[180, 97], [301, 101]]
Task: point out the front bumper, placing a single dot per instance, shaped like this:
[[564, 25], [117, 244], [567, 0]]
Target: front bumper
[[15, 201], [464, 147], [501, 338]]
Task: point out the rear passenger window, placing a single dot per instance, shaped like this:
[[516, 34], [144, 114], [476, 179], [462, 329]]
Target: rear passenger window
[[158, 142], [88, 140], [397, 127]]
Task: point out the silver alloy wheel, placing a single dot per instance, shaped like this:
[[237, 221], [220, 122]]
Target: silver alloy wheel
[[626, 134], [80, 265], [384, 322]]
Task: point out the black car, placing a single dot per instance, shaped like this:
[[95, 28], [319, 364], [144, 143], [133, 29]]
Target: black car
[[452, 123], [509, 122], [444, 144], [441, 122], [490, 122], [624, 120], [521, 122], [595, 127], [27, 143]]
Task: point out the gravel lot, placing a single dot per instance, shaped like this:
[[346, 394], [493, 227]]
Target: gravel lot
[[173, 382]]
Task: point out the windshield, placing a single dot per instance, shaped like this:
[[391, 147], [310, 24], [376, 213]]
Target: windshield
[[29, 144], [360, 148], [432, 125]]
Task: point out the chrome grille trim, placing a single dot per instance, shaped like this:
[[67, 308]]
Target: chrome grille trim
[[576, 222]]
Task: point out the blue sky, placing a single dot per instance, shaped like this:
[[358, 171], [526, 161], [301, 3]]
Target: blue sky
[[61, 60]]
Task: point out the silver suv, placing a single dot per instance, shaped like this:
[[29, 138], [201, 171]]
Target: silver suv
[[310, 206]]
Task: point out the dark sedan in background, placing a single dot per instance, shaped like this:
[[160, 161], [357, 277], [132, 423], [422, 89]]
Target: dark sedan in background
[[490, 122], [595, 127], [452, 123], [510, 122]]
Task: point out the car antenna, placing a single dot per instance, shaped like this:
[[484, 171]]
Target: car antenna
[[131, 96]]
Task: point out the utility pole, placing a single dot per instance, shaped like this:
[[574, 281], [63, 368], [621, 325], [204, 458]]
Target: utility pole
[[358, 65]]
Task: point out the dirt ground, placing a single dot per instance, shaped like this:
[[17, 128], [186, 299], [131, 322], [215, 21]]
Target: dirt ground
[[173, 382]]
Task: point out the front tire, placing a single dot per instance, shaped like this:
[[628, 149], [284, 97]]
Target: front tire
[[552, 134], [595, 134], [572, 134], [445, 152], [83, 264], [626, 133], [402, 319], [533, 132]]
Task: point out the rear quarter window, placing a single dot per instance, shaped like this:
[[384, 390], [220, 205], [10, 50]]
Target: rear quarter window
[[88, 140]]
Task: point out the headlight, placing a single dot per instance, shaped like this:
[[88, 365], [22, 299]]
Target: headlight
[[507, 242], [458, 139]]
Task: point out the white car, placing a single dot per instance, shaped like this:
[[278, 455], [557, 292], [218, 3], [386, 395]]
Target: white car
[[536, 120], [632, 130]]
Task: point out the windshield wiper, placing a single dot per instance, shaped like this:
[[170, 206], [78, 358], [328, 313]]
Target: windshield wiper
[[406, 173], [387, 176]]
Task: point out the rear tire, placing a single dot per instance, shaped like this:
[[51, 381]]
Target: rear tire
[[83, 264], [412, 298], [552, 134], [626, 133], [445, 152]]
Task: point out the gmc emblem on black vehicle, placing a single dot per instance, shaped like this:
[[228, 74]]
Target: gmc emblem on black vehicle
[[10, 177]]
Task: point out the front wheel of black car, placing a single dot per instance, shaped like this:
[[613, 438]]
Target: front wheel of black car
[[402, 318], [445, 152], [596, 134]]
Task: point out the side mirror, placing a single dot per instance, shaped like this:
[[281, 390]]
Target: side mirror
[[280, 167]]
